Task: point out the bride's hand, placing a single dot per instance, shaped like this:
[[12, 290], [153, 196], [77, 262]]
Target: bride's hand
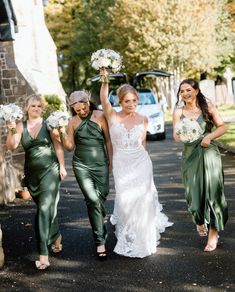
[[104, 71]]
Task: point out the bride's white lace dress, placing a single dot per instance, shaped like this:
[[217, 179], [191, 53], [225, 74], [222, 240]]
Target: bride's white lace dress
[[137, 212]]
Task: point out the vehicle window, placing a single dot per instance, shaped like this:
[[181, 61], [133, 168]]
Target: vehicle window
[[114, 100], [146, 98]]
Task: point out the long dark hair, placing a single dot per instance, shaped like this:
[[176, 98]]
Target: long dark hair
[[201, 102]]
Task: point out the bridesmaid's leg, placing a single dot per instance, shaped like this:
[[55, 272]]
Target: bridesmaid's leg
[[46, 224], [95, 207]]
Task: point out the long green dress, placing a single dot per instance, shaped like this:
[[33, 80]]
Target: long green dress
[[204, 182], [43, 181], [90, 165]]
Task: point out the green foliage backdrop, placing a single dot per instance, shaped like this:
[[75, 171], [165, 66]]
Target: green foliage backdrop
[[185, 37]]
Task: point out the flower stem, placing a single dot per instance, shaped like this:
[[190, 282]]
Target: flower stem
[[13, 131]]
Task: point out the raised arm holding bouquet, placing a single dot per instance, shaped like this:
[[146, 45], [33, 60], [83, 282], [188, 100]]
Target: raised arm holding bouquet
[[137, 214]]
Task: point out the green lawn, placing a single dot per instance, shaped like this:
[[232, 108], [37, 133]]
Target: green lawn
[[227, 110], [229, 137]]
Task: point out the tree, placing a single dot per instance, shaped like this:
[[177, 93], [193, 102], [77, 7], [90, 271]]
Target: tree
[[170, 35], [76, 27]]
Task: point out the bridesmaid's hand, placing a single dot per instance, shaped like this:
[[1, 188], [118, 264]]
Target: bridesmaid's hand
[[63, 172], [206, 141], [11, 125]]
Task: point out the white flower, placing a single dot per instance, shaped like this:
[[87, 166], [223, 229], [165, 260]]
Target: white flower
[[188, 130], [106, 58], [10, 112], [57, 120]]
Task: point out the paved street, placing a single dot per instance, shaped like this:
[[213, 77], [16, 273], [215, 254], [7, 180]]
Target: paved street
[[179, 265]]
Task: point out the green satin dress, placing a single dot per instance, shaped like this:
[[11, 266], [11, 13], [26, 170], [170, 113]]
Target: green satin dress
[[204, 183], [43, 181], [90, 166]]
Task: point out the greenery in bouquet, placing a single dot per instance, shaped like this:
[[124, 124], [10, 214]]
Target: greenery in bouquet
[[188, 130], [106, 58]]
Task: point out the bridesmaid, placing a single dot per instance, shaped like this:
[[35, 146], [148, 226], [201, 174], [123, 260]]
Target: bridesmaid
[[88, 133], [201, 166], [44, 169]]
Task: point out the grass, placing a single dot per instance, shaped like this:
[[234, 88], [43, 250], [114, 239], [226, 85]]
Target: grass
[[225, 110], [229, 137]]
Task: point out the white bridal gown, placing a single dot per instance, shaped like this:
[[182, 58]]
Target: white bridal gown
[[137, 212]]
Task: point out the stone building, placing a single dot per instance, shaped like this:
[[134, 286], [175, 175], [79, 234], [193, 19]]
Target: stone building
[[28, 66]]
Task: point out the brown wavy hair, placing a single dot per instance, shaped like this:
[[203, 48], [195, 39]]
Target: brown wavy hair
[[201, 102]]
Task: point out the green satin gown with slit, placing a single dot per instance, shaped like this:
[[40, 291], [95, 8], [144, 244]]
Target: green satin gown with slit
[[43, 181], [90, 165], [204, 182]]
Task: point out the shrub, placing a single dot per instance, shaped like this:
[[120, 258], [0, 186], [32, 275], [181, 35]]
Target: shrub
[[52, 103]]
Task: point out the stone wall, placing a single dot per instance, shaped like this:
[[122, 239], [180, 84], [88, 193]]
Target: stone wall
[[13, 89]]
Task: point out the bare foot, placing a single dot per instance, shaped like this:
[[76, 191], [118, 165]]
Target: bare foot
[[212, 240]]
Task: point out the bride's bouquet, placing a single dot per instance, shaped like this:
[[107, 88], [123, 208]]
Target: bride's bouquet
[[188, 130], [57, 120], [106, 58], [10, 112]]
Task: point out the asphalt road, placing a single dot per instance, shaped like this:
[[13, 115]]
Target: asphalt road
[[179, 265]]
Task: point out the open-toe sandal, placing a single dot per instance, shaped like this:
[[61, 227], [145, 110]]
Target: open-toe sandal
[[102, 255], [201, 229], [56, 248], [42, 265]]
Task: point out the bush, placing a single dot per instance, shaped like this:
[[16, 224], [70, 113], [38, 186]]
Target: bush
[[52, 103]]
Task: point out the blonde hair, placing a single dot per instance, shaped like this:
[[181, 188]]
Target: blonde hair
[[30, 100], [124, 89]]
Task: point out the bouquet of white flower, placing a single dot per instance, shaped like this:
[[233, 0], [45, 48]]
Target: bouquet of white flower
[[57, 120], [10, 112], [188, 130], [108, 59]]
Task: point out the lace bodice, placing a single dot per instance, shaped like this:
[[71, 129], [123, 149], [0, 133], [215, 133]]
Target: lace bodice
[[126, 139]]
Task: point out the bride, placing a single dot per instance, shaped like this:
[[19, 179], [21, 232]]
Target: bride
[[137, 212]]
